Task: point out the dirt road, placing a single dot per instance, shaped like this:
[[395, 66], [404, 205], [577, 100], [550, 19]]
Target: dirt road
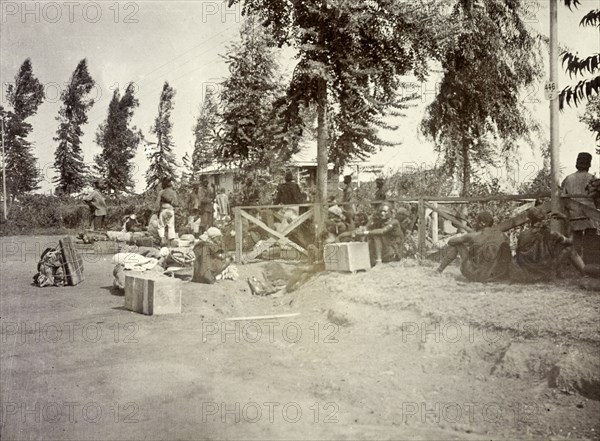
[[395, 353]]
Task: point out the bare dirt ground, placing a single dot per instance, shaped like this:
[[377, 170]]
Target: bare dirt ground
[[398, 352]]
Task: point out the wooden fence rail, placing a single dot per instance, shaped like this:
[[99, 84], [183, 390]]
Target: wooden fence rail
[[423, 202]]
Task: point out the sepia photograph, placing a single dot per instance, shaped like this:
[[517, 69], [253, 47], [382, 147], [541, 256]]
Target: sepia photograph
[[300, 220]]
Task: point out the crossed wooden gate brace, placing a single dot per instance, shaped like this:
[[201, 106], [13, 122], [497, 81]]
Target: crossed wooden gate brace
[[277, 237]]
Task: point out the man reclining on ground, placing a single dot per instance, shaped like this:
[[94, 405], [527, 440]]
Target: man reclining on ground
[[485, 254]]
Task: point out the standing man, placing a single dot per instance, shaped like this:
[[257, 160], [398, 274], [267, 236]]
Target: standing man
[[97, 205], [223, 208], [250, 192], [585, 235], [205, 198], [485, 254], [193, 208], [166, 201], [348, 198], [289, 192], [380, 191]]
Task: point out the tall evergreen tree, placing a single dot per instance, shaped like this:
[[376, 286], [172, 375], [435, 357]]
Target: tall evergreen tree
[[72, 116], [250, 123], [162, 160], [479, 103], [119, 142], [187, 173], [24, 96], [205, 134], [352, 54]]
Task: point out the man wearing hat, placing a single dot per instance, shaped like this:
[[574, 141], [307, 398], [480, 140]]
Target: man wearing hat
[[585, 235], [211, 259], [335, 224], [97, 205], [485, 254]]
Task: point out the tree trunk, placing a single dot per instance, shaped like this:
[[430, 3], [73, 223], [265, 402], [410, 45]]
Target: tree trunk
[[466, 169], [322, 144]]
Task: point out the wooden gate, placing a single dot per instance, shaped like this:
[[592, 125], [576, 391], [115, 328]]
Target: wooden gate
[[280, 237]]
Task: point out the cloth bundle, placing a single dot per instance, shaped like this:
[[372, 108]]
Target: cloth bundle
[[229, 273], [50, 269]]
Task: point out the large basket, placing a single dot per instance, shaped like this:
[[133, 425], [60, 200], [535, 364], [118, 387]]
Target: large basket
[[71, 261]]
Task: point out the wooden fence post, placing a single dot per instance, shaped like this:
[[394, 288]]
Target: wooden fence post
[[421, 228], [318, 219], [239, 240], [434, 224]]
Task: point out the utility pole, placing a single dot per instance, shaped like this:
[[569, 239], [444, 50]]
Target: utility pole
[[552, 94], [3, 173]]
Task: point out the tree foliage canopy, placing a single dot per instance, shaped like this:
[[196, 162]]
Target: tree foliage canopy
[[206, 133], [119, 142], [479, 104], [162, 160], [24, 96], [577, 66], [253, 132], [591, 118], [71, 117], [359, 50]]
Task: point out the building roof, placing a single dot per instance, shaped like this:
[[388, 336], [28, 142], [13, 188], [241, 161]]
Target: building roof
[[306, 157], [217, 169]]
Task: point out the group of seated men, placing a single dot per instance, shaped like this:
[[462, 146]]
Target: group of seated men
[[486, 255], [384, 231]]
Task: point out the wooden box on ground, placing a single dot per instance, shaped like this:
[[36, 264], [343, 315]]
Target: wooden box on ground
[[72, 261], [152, 293], [99, 247], [350, 256]]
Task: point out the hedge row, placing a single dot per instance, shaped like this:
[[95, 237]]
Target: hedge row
[[41, 213]]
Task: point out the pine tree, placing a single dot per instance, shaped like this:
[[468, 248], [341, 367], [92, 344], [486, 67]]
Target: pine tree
[[205, 134], [72, 116], [187, 172], [24, 96], [119, 142], [479, 105], [162, 161], [251, 127]]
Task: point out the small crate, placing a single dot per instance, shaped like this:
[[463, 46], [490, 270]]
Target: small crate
[[349, 256], [152, 293]]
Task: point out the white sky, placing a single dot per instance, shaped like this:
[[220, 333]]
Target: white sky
[[181, 42]]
